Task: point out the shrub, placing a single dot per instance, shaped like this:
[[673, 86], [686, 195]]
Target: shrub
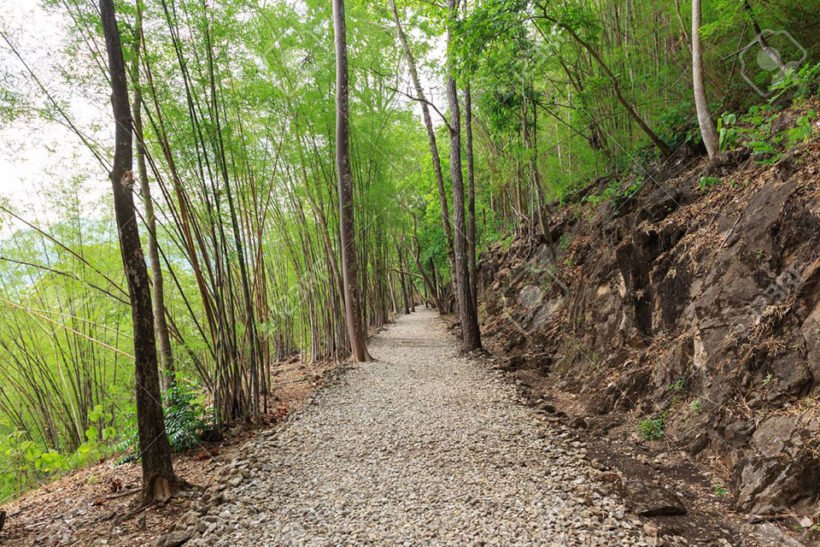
[[185, 420], [801, 84], [651, 429], [185, 417]]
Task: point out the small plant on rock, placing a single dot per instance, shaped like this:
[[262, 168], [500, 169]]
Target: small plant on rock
[[719, 490], [651, 429]]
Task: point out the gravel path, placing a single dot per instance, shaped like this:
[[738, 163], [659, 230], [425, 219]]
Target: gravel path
[[420, 447]]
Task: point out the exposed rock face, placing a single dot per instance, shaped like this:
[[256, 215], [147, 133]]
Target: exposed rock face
[[783, 468], [698, 305]]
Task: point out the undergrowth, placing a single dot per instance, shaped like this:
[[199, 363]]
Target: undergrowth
[[27, 462]]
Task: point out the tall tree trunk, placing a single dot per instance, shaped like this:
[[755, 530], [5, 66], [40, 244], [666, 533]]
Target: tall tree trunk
[[392, 285], [707, 127], [467, 313], [431, 136], [158, 478], [403, 281], [434, 279], [347, 228], [471, 242], [158, 291], [471, 233], [411, 285]]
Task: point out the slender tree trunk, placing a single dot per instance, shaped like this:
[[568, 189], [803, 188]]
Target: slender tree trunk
[[158, 478], [393, 294], [411, 285], [429, 283], [434, 279], [158, 289], [403, 282], [471, 234], [707, 127], [682, 25], [431, 135], [469, 320], [347, 228]]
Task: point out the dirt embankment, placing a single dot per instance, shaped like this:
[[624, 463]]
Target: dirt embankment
[[681, 328]]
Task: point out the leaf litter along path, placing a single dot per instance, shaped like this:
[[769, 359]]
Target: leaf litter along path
[[422, 446]]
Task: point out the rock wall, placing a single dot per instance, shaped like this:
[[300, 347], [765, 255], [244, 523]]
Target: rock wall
[[693, 305]]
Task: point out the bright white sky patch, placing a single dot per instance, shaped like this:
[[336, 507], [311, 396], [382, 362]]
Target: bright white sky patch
[[36, 154]]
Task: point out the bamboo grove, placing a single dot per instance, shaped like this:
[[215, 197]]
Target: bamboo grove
[[469, 121]]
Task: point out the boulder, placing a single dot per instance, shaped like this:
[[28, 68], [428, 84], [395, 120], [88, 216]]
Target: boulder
[[783, 468], [649, 499], [771, 536]]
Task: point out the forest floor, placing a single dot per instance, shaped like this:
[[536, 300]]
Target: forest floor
[[91, 506]]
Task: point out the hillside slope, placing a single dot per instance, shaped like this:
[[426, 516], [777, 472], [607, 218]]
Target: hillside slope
[[679, 313]]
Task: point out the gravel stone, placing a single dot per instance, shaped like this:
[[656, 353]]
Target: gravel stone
[[423, 446]]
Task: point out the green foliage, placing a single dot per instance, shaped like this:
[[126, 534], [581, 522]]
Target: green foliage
[[802, 131], [719, 490], [27, 462], [754, 129], [677, 125], [800, 84], [652, 429], [564, 242], [185, 417], [727, 133], [612, 190], [708, 182]]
